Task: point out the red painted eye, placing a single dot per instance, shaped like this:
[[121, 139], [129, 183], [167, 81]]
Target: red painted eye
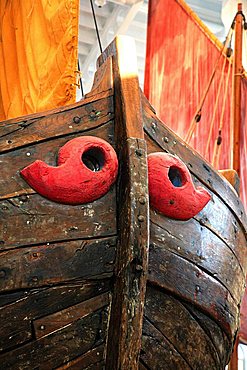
[[171, 189], [87, 167]]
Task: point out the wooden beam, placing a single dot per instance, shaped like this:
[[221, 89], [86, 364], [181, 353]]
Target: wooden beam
[[125, 328], [238, 70]]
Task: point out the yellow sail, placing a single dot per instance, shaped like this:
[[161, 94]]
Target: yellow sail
[[38, 55]]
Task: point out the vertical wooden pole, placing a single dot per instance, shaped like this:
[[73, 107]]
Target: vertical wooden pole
[[238, 69], [125, 326], [233, 364]]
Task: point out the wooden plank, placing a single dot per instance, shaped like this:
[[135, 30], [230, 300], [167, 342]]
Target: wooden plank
[[125, 326], [102, 79], [131, 265], [57, 320], [170, 142], [179, 327], [157, 352], [12, 184], [16, 318], [57, 263], [213, 331], [59, 347], [203, 248], [52, 124], [187, 281], [92, 359], [36, 220], [222, 222]]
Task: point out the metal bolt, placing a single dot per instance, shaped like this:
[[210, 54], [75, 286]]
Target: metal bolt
[[139, 152], [76, 119], [142, 200], [2, 273], [42, 327], [139, 268], [141, 218], [165, 139]]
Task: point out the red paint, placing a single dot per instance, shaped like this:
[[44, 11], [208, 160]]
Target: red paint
[[72, 182], [181, 202]]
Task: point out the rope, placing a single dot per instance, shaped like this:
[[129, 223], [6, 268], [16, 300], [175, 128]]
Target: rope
[[196, 118], [79, 69], [96, 26], [218, 141], [215, 109]]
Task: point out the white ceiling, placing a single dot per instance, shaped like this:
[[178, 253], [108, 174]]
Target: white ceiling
[[128, 17]]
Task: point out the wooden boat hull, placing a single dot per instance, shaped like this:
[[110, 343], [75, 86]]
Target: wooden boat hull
[[77, 291]]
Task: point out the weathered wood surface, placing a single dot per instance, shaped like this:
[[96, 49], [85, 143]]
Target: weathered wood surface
[[12, 184], [217, 336], [198, 245], [92, 360], [14, 134], [157, 353], [36, 220], [170, 142], [176, 324], [189, 282], [213, 241], [56, 263], [61, 346], [57, 320], [103, 79], [125, 327], [222, 222], [17, 318]]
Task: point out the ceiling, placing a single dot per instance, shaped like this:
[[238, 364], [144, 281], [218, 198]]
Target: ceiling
[[128, 17]]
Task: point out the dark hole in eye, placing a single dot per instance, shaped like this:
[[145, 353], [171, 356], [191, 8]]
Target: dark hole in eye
[[93, 159], [176, 177]]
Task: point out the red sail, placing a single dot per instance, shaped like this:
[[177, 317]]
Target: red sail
[[182, 55]]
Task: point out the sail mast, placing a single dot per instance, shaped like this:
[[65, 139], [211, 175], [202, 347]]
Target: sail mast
[[238, 69]]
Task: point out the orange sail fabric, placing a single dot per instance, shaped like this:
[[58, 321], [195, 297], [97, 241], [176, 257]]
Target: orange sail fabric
[[38, 55], [181, 57]]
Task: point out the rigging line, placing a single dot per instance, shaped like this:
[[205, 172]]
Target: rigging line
[[96, 26], [215, 109], [80, 79], [218, 140], [197, 116]]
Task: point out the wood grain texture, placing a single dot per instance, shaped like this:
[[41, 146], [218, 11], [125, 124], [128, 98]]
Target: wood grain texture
[[201, 247], [52, 124], [103, 79], [189, 282], [157, 353], [16, 318], [125, 326], [60, 346], [222, 222], [181, 330], [171, 143], [12, 184], [57, 263], [91, 360], [58, 320], [36, 220]]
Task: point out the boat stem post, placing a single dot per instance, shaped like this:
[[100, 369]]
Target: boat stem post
[[233, 364], [238, 69]]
